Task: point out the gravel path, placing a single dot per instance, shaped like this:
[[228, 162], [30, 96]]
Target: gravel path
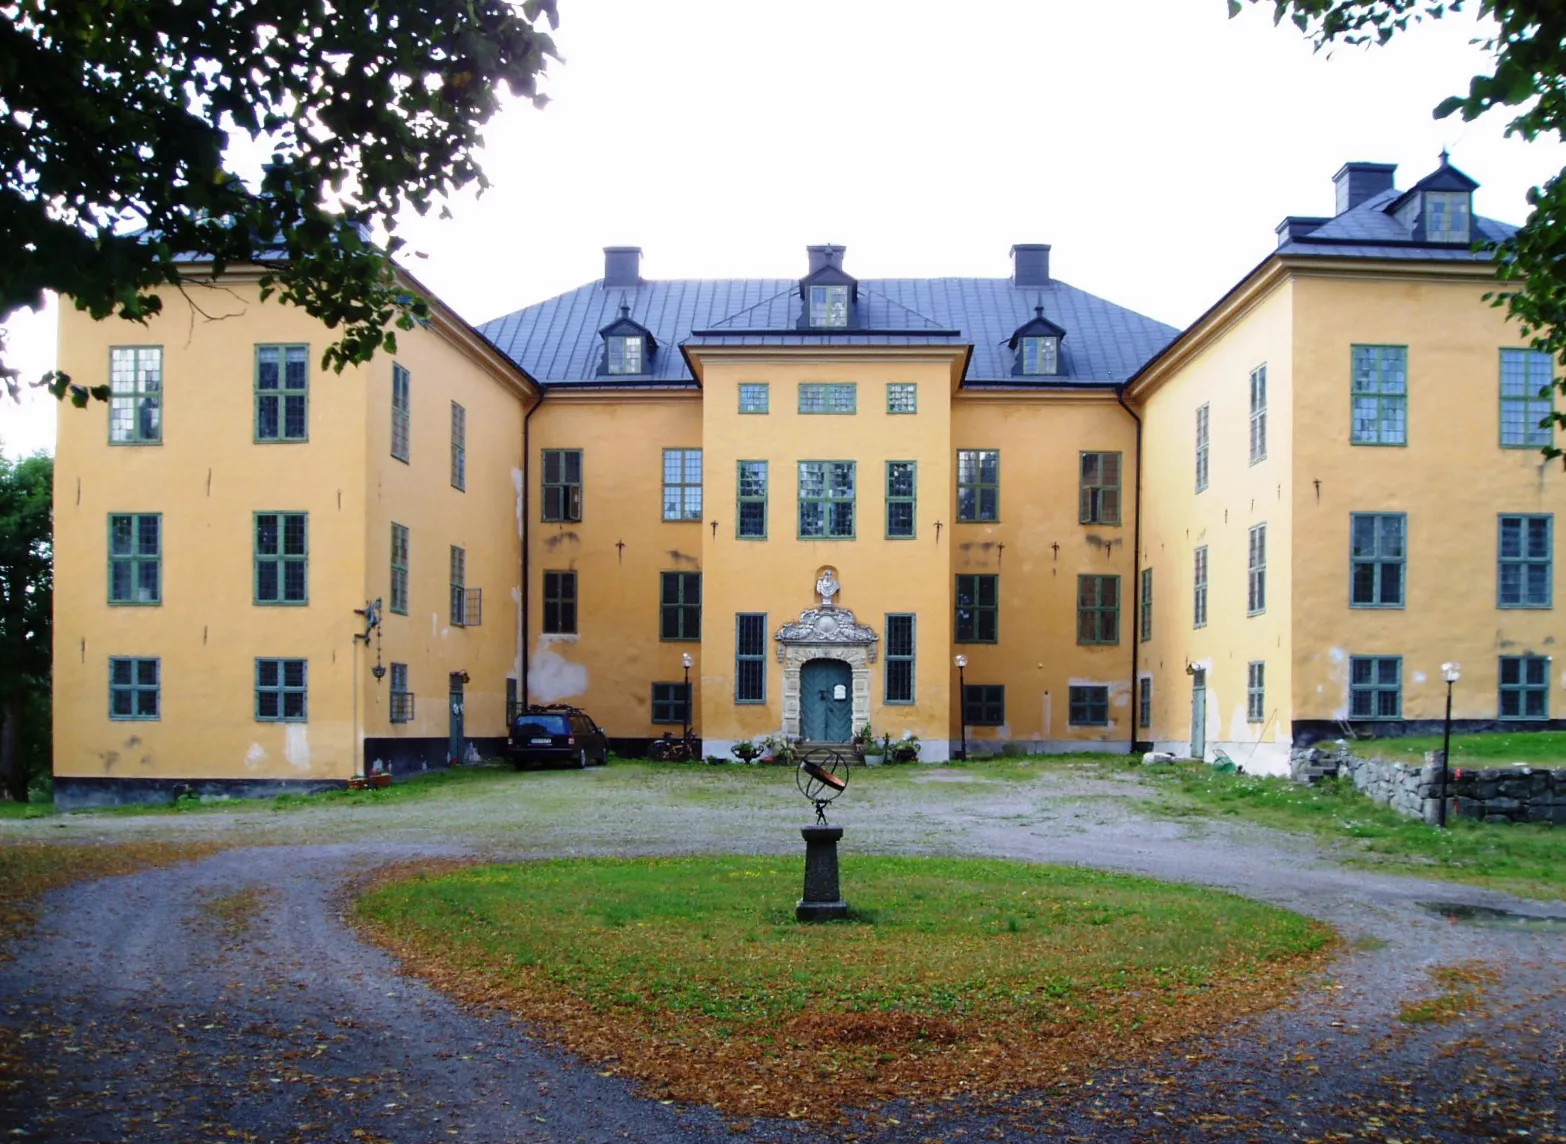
[[148, 1017]]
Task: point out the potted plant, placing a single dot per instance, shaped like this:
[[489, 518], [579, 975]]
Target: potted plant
[[745, 751], [905, 750], [875, 750], [861, 742], [779, 750]]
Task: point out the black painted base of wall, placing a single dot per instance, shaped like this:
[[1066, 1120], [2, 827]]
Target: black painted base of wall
[[1308, 732], [97, 793], [411, 756]]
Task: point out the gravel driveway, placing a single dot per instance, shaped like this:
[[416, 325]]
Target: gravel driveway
[[148, 1014]]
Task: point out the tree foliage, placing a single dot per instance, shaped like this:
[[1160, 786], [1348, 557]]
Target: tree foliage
[[26, 614], [117, 120], [1526, 40]]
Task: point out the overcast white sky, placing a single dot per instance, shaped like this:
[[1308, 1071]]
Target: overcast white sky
[[1154, 143]]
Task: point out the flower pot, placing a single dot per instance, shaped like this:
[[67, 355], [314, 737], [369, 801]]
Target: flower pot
[[874, 758]]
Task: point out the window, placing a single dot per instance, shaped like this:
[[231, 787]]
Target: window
[[670, 703], [1089, 706], [978, 484], [1446, 216], [1098, 609], [625, 353], [280, 691], [1525, 562], [1144, 701], [459, 586], [1379, 551], [826, 500], [1258, 414], [401, 410], [562, 484], [401, 697], [1199, 579], [902, 484], [459, 446], [983, 705], [1527, 398], [135, 558], [282, 393], [1147, 605], [399, 569], [829, 305], [134, 690], [750, 657], [755, 397], [560, 603], [1525, 687], [828, 397], [282, 558], [1041, 355], [1375, 686], [136, 395], [1255, 691], [682, 484], [680, 606], [1380, 395], [1099, 502], [978, 609], [899, 657], [1202, 415], [902, 397], [752, 500], [1256, 572]]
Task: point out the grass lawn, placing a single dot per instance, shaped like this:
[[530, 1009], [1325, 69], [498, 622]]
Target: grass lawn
[[692, 976], [1493, 749]]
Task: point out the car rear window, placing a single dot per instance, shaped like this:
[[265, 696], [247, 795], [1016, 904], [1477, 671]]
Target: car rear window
[[543, 725]]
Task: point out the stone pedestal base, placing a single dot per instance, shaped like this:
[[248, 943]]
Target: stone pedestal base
[[823, 901]]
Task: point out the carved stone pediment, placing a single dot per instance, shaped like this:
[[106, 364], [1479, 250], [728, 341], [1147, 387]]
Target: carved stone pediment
[[828, 625]]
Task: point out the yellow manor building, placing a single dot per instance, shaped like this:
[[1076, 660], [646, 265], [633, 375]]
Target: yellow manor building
[[984, 513]]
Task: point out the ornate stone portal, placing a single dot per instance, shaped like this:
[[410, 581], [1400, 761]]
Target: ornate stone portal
[[826, 632]]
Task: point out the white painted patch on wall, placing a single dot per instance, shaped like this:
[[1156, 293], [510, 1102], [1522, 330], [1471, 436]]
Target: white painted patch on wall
[[516, 483], [296, 745], [255, 756], [1420, 677], [551, 677], [516, 662], [1340, 679], [1239, 724]]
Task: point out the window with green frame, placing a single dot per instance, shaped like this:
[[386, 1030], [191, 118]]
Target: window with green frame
[[682, 484], [1259, 414], [984, 705], [136, 395], [282, 393], [1375, 687], [670, 703], [459, 447], [902, 397], [1144, 701], [562, 485], [1377, 559], [399, 569], [900, 649], [401, 695], [135, 558], [1146, 605], [829, 306], [1525, 687], [826, 500], [1255, 691], [459, 586], [902, 487], [1256, 572], [680, 606], [401, 412], [1099, 493], [978, 608], [978, 484], [755, 397], [1380, 395], [282, 690], [1525, 561], [750, 657], [1088, 705], [752, 513], [1203, 446], [828, 397], [135, 690], [1527, 399], [560, 603], [1199, 588], [282, 557], [1098, 609]]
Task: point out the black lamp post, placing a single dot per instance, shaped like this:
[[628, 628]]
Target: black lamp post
[[686, 660], [1451, 672], [962, 703]]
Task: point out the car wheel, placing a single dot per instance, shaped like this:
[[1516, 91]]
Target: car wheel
[[581, 758]]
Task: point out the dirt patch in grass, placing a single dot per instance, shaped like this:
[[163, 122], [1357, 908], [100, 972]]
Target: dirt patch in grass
[[1462, 992], [958, 979]]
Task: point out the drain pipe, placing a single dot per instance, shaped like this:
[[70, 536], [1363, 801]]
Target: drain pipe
[[526, 537], [1136, 573]]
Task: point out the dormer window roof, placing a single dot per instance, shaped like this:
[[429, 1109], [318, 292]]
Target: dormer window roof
[[1438, 208], [1037, 343], [629, 346], [830, 295]]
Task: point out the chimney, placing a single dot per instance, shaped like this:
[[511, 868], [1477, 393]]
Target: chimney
[[1357, 182], [1030, 264], [622, 266], [1296, 227], [824, 256]]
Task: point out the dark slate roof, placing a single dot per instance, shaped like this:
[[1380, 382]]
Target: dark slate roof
[[1368, 231], [557, 341]]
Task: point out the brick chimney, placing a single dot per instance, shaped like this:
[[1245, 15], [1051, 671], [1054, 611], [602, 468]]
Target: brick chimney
[[1357, 182], [622, 266], [1030, 264]]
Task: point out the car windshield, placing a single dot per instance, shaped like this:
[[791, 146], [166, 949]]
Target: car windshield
[[543, 725]]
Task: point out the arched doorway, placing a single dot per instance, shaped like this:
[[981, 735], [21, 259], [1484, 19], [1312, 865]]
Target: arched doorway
[[826, 702]]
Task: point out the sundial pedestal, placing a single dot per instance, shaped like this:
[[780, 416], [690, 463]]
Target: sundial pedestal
[[823, 900]]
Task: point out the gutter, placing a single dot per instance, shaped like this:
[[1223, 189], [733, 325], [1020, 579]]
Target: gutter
[[527, 544], [1136, 573]]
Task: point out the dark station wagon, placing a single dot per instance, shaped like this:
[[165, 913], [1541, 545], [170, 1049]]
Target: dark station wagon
[[555, 737]]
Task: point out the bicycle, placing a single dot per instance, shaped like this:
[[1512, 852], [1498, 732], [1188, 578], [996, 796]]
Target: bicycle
[[671, 750]]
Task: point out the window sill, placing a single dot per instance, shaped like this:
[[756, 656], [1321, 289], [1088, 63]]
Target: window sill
[[135, 603], [280, 603], [139, 718], [132, 444]]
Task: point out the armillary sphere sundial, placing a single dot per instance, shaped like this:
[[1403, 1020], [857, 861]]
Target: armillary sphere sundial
[[822, 776]]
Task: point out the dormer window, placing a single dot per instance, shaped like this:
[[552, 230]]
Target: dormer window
[[829, 306], [1037, 343], [625, 354], [1040, 355], [628, 346], [1446, 216]]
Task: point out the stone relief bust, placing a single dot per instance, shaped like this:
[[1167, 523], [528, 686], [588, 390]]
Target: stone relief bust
[[827, 587]]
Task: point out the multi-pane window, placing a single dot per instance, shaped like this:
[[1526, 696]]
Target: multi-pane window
[[902, 397], [1527, 398], [399, 569], [755, 397], [1144, 701], [826, 500], [135, 558], [1525, 687], [1378, 556], [978, 608], [1089, 705], [281, 691], [670, 703], [1375, 686], [828, 397], [560, 603], [1255, 691], [750, 657], [1203, 415], [459, 446], [282, 393], [401, 412], [1199, 582], [134, 689], [1041, 355], [978, 484], [902, 485], [682, 484], [136, 395], [562, 484], [1098, 609], [1146, 605], [899, 657], [401, 697], [1256, 572], [1380, 395], [459, 586], [984, 705], [626, 353], [1446, 216], [829, 306], [752, 500], [1525, 561], [1258, 414], [679, 603], [282, 558], [1099, 495]]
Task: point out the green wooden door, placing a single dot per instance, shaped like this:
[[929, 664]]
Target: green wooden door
[[826, 705]]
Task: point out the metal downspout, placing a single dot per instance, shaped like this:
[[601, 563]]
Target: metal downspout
[[1136, 572], [527, 544]]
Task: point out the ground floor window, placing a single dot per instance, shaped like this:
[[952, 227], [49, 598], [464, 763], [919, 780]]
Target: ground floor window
[[1144, 701], [1525, 687], [281, 690], [900, 657], [1375, 687], [670, 703], [134, 688], [750, 657], [401, 697], [983, 705], [1255, 691], [1090, 705]]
